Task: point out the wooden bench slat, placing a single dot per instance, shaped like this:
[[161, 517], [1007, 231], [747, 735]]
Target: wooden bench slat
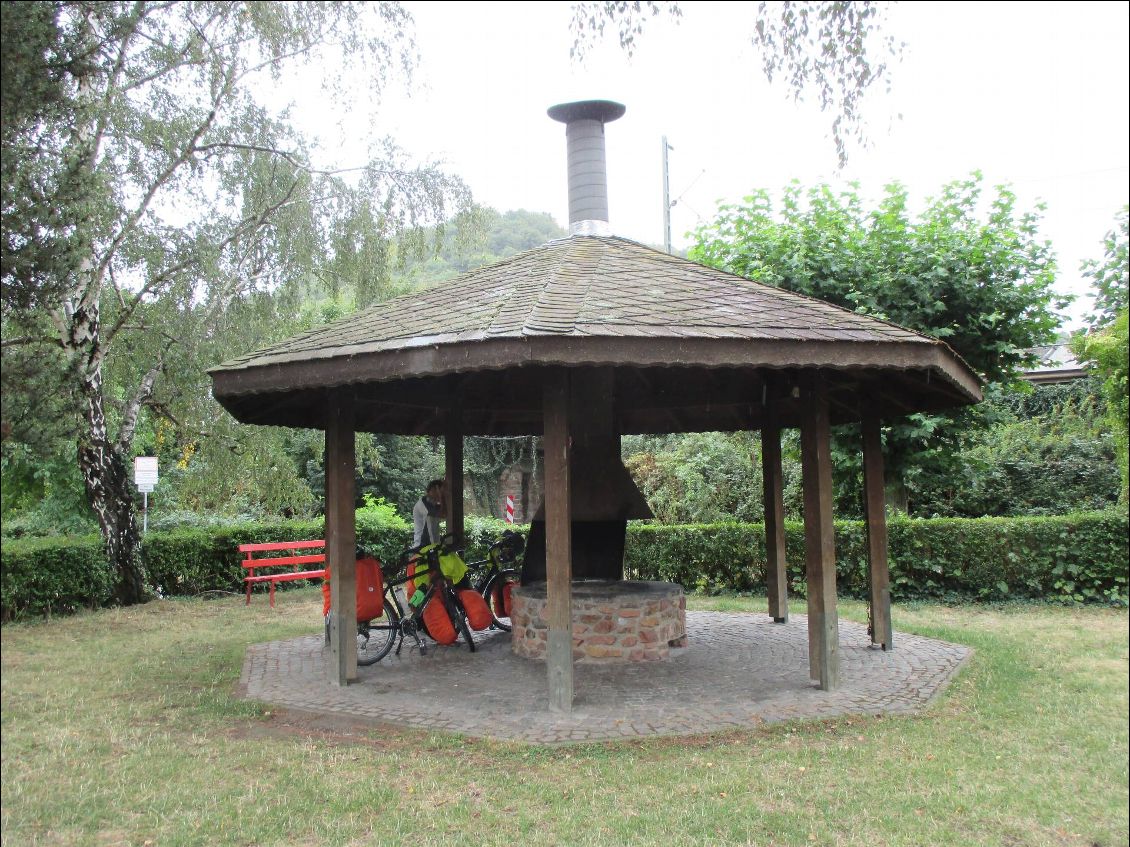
[[285, 577], [280, 545], [282, 561]]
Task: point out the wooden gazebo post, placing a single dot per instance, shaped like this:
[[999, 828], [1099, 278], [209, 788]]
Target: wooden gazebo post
[[876, 512], [453, 471], [819, 533], [558, 540], [776, 574], [341, 535]]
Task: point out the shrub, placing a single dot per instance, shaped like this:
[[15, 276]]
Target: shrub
[[1066, 558], [41, 576], [481, 532], [44, 576]]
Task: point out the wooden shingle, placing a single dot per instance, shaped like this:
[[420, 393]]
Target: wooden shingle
[[587, 301]]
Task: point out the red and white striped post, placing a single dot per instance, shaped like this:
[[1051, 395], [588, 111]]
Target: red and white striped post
[[510, 508]]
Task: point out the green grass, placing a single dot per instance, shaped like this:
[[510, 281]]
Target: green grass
[[121, 728]]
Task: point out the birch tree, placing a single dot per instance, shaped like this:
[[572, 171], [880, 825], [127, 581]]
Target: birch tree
[[151, 196]]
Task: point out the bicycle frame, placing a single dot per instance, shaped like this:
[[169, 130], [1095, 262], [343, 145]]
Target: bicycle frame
[[501, 563], [486, 568], [405, 619], [438, 583]]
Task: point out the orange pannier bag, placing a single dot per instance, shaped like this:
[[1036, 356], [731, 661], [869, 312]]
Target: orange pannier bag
[[370, 590], [478, 612], [501, 597], [438, 622]]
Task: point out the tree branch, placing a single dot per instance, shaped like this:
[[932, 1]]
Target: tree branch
[[143, 393], [135, 217], [243, 227], [290, 157], [26, 340]]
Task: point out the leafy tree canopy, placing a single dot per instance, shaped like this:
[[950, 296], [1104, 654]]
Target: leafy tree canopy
[[967, 269], [159, 216], [1110, 276]]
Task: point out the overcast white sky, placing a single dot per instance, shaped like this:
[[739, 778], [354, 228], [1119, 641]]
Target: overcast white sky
[[1033, 94]]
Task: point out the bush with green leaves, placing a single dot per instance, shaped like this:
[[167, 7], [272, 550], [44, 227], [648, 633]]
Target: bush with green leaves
[[43, 576], [1050, 451], [1108, 350], [46, 576], [1040, 450], [1064, 558], [701, 477]]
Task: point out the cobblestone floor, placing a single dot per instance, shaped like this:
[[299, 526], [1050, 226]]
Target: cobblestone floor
[[739, 670]]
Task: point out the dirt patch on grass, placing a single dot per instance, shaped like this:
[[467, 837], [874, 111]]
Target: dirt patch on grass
[[324, 726]]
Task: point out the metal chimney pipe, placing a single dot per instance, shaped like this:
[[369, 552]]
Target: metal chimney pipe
[[588, 175]]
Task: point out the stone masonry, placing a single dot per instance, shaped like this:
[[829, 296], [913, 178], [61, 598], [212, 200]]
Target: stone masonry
[[613, 621], [738, 671]]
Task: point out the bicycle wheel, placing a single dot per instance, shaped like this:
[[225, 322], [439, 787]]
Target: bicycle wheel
[[496, 594], [459, 618], [375, 638]]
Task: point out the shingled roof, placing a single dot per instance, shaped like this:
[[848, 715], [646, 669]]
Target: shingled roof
[[584, 301]]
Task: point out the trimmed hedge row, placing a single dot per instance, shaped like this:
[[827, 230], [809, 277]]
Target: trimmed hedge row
[[1064, 558], [43, 576], [59, 576], [1069, 558], [187, 562]]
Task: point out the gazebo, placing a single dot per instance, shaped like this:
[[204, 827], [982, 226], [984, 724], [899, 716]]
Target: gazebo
[[585, 339]]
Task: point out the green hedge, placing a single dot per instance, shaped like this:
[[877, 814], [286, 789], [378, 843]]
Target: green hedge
[[52, 576], [1064, 558], [188, 562], [43, 576], [1070, 558]]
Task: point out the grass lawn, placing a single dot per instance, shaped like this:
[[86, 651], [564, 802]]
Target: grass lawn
[[120, 728]]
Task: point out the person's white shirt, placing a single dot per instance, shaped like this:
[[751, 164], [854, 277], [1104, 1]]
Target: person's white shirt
[[425, 517]]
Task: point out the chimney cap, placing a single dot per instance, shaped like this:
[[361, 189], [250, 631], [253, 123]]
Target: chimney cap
[[604, 111]]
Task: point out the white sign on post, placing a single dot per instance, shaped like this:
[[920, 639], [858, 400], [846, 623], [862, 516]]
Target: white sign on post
[[145, 471], [145, 478]]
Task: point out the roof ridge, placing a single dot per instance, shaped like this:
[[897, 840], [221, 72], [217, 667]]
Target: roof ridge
[[560, 305]]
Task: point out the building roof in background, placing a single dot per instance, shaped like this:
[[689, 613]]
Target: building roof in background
[[1057, 363]]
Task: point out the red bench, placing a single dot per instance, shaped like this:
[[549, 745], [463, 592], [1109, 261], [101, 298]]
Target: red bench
[[292, 557]]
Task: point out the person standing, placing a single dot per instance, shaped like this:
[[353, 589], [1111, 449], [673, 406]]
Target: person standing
[[426, 514]]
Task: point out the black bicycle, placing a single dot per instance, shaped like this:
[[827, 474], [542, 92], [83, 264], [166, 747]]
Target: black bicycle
[[404, 617], [495, 576]]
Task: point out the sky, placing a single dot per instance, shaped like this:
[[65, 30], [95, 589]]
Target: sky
[[1034, 95]]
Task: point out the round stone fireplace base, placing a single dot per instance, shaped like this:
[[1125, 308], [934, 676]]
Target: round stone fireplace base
[[613, 620]]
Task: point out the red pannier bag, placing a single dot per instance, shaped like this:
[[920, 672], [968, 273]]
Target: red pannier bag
[[478, 612], [501, 596], [438, 622], [370, 590]]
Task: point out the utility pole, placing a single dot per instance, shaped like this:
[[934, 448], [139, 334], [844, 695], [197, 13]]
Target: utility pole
[[666, 199]]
